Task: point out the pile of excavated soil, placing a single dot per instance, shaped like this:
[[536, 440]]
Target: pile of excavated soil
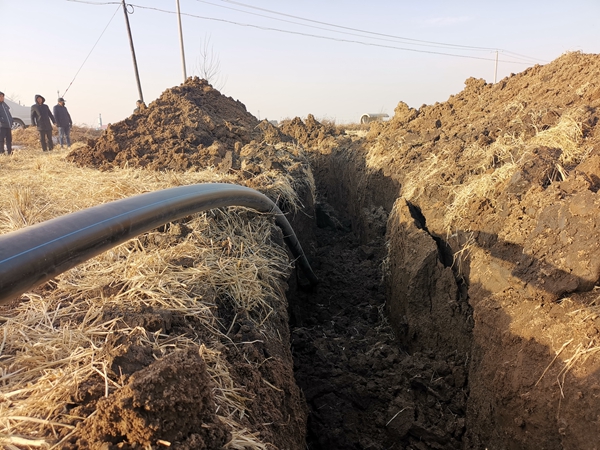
[[188, 126], [512, 175], [494, 244], [309, 133], [194, 127]]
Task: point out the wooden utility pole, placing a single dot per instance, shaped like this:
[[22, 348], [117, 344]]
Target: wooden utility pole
[[496, 68], [135, 67], [181, 42]]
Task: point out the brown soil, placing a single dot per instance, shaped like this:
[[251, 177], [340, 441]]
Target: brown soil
[[494, 246], [458, 248], [364, 390], [168, 399], [191, 125]]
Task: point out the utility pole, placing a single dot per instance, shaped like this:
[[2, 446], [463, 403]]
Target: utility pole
[[137, 75], [496, 68], [181, 42]]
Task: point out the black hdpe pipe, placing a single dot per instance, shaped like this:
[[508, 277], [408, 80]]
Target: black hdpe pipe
[[33, 255]]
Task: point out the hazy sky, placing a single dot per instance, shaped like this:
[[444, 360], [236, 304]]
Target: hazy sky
[[336, 59]]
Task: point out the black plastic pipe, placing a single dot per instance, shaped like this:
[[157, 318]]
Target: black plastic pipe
[[33, 255]]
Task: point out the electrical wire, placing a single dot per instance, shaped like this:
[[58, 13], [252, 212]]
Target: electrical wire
[[102, 34], [395, 38], [373, 35], [410, 40], [517, 55], [328, 37], [433, 43]]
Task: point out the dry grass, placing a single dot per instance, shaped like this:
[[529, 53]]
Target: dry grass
[[29, 137], [580, 344], [482, 188], [52, 343], [494, 165], [567, 135], [460, 258], [482, 171], [23, 208]]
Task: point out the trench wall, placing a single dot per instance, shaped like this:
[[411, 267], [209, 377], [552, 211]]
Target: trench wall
[[427, 308], [507, 328]]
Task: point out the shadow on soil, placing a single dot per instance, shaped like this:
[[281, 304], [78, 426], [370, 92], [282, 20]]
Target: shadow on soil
[[372, 384]]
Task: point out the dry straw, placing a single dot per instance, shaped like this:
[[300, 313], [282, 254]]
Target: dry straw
[[567, 135], [494, 165], [53, 343]]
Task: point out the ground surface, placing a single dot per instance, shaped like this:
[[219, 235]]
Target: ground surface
[[458, 247], [363, 389]]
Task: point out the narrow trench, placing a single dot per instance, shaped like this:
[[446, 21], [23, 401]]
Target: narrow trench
[[363, 389]]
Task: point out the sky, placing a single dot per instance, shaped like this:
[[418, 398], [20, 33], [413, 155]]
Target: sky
[[335, 59]]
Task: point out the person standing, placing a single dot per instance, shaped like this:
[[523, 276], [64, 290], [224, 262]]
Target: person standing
[[41, 117], [6, 123], [63, 122]]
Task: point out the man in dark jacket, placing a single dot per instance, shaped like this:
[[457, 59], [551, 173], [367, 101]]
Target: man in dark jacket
[[6, 123], [41, 117], [63, 122]]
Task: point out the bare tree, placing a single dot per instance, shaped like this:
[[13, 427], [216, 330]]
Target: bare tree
[[208, 65]]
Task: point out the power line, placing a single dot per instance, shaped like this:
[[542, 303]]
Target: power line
[[420, 41], [102, 34], [524, 59], [517, 55], [395, 38], [466, 47], [327, 37]]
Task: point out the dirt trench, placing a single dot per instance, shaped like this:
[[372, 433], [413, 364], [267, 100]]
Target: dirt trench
[[367, 385], [488, 205], [464, 313]]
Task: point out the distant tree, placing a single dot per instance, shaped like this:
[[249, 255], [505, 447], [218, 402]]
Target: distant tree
[[208, 65]]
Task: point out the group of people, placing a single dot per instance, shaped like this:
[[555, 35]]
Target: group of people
[[42, 118]]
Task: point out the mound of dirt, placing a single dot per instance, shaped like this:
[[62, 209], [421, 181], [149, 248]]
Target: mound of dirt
[[191, 125], [497, 186], [309, 133], [170, 401]]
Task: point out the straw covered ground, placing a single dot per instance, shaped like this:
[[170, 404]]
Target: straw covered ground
[[176, 338]]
